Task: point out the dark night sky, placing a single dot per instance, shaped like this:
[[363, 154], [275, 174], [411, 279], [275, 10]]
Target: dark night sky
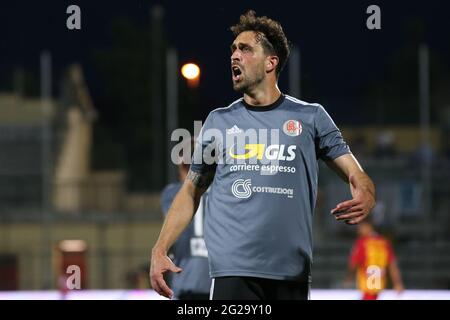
[[339, 53]]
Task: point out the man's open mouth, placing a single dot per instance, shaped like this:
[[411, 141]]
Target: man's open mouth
[[236, 73]]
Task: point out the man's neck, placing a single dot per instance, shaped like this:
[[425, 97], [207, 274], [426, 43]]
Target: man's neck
[[262, 97]]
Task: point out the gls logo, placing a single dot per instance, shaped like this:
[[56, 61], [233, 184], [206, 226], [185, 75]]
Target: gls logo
[[272, 152]]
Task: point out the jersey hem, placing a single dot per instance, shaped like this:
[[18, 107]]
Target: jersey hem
[[243, 273]]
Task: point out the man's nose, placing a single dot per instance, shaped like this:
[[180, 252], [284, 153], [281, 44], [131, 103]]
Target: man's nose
[[235, 56]]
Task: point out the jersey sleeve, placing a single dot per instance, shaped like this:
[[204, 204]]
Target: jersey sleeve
[[329, 141], [204, 159]]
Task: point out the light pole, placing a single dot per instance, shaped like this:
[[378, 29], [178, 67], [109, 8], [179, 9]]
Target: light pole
[[172, 107], [46, 94], [191, 72]]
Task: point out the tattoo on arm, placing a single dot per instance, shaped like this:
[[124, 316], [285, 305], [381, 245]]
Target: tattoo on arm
[[201, 180]]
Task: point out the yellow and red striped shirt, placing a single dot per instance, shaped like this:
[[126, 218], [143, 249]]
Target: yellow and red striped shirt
[[371, 256]]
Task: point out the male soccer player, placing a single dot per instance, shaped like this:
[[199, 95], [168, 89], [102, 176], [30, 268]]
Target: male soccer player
[[189, 251], [258, 228], [371, 256]]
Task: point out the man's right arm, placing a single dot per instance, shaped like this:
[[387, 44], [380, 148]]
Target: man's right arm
[[178, 218]]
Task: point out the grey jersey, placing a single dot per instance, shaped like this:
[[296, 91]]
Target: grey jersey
[[189, 251], [262, 199]]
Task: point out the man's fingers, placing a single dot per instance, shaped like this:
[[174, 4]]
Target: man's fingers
[[172, 267], [156, 287], [162, 288], [175, 269], [165, 289], [343, 214], [343, 206], [345, 210], [351, 215], [355, 220]]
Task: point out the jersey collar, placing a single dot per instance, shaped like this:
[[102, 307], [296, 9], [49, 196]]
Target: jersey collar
[[264, 108]]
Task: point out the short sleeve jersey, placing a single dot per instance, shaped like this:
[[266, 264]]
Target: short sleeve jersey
[[261, 201]]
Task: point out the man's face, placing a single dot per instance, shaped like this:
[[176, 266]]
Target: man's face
[[247, 61]]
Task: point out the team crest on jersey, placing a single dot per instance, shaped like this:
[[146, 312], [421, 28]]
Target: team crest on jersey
[[292, 128]]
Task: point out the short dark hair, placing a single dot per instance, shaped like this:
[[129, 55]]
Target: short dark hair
[[273, 38]]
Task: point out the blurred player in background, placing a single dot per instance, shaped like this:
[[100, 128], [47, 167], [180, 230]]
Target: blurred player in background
[[189, 252], [371, 257]]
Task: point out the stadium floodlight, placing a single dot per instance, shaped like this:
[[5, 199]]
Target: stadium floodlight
[[191, 72]]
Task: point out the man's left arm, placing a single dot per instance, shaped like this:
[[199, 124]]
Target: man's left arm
[[361, 186]]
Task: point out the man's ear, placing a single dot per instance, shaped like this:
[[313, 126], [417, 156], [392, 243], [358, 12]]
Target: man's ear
[[271, 63]]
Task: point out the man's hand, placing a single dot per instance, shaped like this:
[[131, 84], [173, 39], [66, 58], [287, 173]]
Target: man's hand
[[160, 264], [178, 218], [355, 210]]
